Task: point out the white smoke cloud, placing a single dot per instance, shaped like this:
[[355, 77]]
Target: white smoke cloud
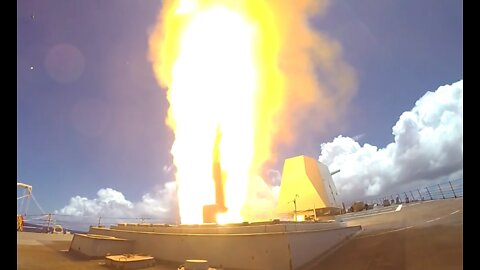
[[161, 203], [274, 177], [427, 148], [262, 198], [113, 207]]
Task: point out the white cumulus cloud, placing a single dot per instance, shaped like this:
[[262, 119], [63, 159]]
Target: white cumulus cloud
[[427, 148], [158, 205]]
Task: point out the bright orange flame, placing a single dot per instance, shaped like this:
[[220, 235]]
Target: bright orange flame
[[220, 60]]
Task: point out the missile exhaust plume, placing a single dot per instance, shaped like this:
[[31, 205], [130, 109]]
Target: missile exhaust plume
[[248, 69]]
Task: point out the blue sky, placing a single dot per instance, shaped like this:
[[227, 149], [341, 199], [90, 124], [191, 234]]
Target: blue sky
[[90, 114]]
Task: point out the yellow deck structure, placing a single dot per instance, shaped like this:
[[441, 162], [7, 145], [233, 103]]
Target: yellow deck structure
[[306, 185]]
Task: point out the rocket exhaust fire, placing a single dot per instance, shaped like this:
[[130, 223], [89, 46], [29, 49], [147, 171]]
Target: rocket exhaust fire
[[247, 69]]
